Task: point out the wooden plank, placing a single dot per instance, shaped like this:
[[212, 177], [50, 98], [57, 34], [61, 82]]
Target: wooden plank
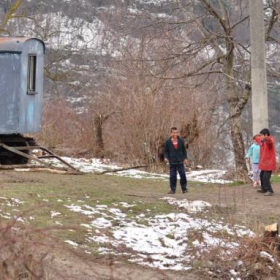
[[60, 159], [16, 150], [11, 149]]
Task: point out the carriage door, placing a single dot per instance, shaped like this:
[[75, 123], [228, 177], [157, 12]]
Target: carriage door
[[9, 86]]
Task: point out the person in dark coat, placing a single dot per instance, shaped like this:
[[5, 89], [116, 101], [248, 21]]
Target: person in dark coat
[[175, 155]]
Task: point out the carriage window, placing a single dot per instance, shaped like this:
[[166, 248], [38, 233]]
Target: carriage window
[[31, 82]]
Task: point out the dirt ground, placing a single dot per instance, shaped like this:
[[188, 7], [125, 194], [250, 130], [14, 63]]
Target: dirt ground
[[240, 203]]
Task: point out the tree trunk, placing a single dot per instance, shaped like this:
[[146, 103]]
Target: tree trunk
[[238, 145], [98, 136], [236, 105]]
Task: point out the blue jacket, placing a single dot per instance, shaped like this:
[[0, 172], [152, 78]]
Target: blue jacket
[[175, 156], [254, 153]]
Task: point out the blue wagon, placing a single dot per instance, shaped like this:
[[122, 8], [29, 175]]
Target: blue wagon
[[21, 99], [21, 85], [21, 93]]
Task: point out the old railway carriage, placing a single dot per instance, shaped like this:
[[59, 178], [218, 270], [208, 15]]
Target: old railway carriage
[[21, 93]]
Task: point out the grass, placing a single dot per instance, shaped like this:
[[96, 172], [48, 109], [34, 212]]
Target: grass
[[34, 195], [43, 194], [275, 178], [31, 198], [235, 184]]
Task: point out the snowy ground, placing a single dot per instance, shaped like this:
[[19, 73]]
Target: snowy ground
[[173, 241], [95, 165], [162, 241]]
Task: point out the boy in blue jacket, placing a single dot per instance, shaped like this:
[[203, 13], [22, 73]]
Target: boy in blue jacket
[[254, 155]]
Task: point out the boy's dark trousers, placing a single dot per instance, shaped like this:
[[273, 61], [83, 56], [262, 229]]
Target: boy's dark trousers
[[173, 168], [265, 181]]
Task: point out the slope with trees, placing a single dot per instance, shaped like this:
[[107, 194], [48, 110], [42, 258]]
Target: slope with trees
[[132, 69]]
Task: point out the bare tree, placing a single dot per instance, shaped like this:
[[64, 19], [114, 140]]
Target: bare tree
[[10, 12], [202, 41], [183, 63], [142, 108]]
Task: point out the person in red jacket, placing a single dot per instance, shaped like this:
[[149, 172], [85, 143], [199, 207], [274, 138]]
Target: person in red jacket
[[267, 161]]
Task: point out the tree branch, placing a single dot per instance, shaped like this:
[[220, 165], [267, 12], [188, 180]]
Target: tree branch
[[121, 169], [10, 14]]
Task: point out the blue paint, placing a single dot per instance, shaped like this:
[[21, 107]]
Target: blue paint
[[30, 113], [20, 112]]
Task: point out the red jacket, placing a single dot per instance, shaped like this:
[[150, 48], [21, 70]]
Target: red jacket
[[268, 154]]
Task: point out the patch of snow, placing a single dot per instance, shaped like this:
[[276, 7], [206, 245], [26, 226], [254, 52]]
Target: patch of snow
[[163, 241], [191, 206], [96, 165], [72, 243], [54, 214]]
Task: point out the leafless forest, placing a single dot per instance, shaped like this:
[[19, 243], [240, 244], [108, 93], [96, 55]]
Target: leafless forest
[[119, 74]]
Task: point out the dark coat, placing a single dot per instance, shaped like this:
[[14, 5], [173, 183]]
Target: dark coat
[[175, 156]]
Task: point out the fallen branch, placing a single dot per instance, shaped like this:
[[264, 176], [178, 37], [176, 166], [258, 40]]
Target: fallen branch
[[34, 168], [48, 170], [14, 166], [153, 196], [121, 169]]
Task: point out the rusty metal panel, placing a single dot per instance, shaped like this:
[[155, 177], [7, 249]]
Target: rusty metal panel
[[9, 86]]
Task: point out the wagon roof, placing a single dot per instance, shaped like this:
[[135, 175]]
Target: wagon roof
[[15, 44]]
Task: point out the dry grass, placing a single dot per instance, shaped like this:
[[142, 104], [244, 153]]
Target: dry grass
[[34, 253], [255, 258], [20, 257]]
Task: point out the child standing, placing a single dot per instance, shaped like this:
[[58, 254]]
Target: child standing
[[267, 160], [254, 155]]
